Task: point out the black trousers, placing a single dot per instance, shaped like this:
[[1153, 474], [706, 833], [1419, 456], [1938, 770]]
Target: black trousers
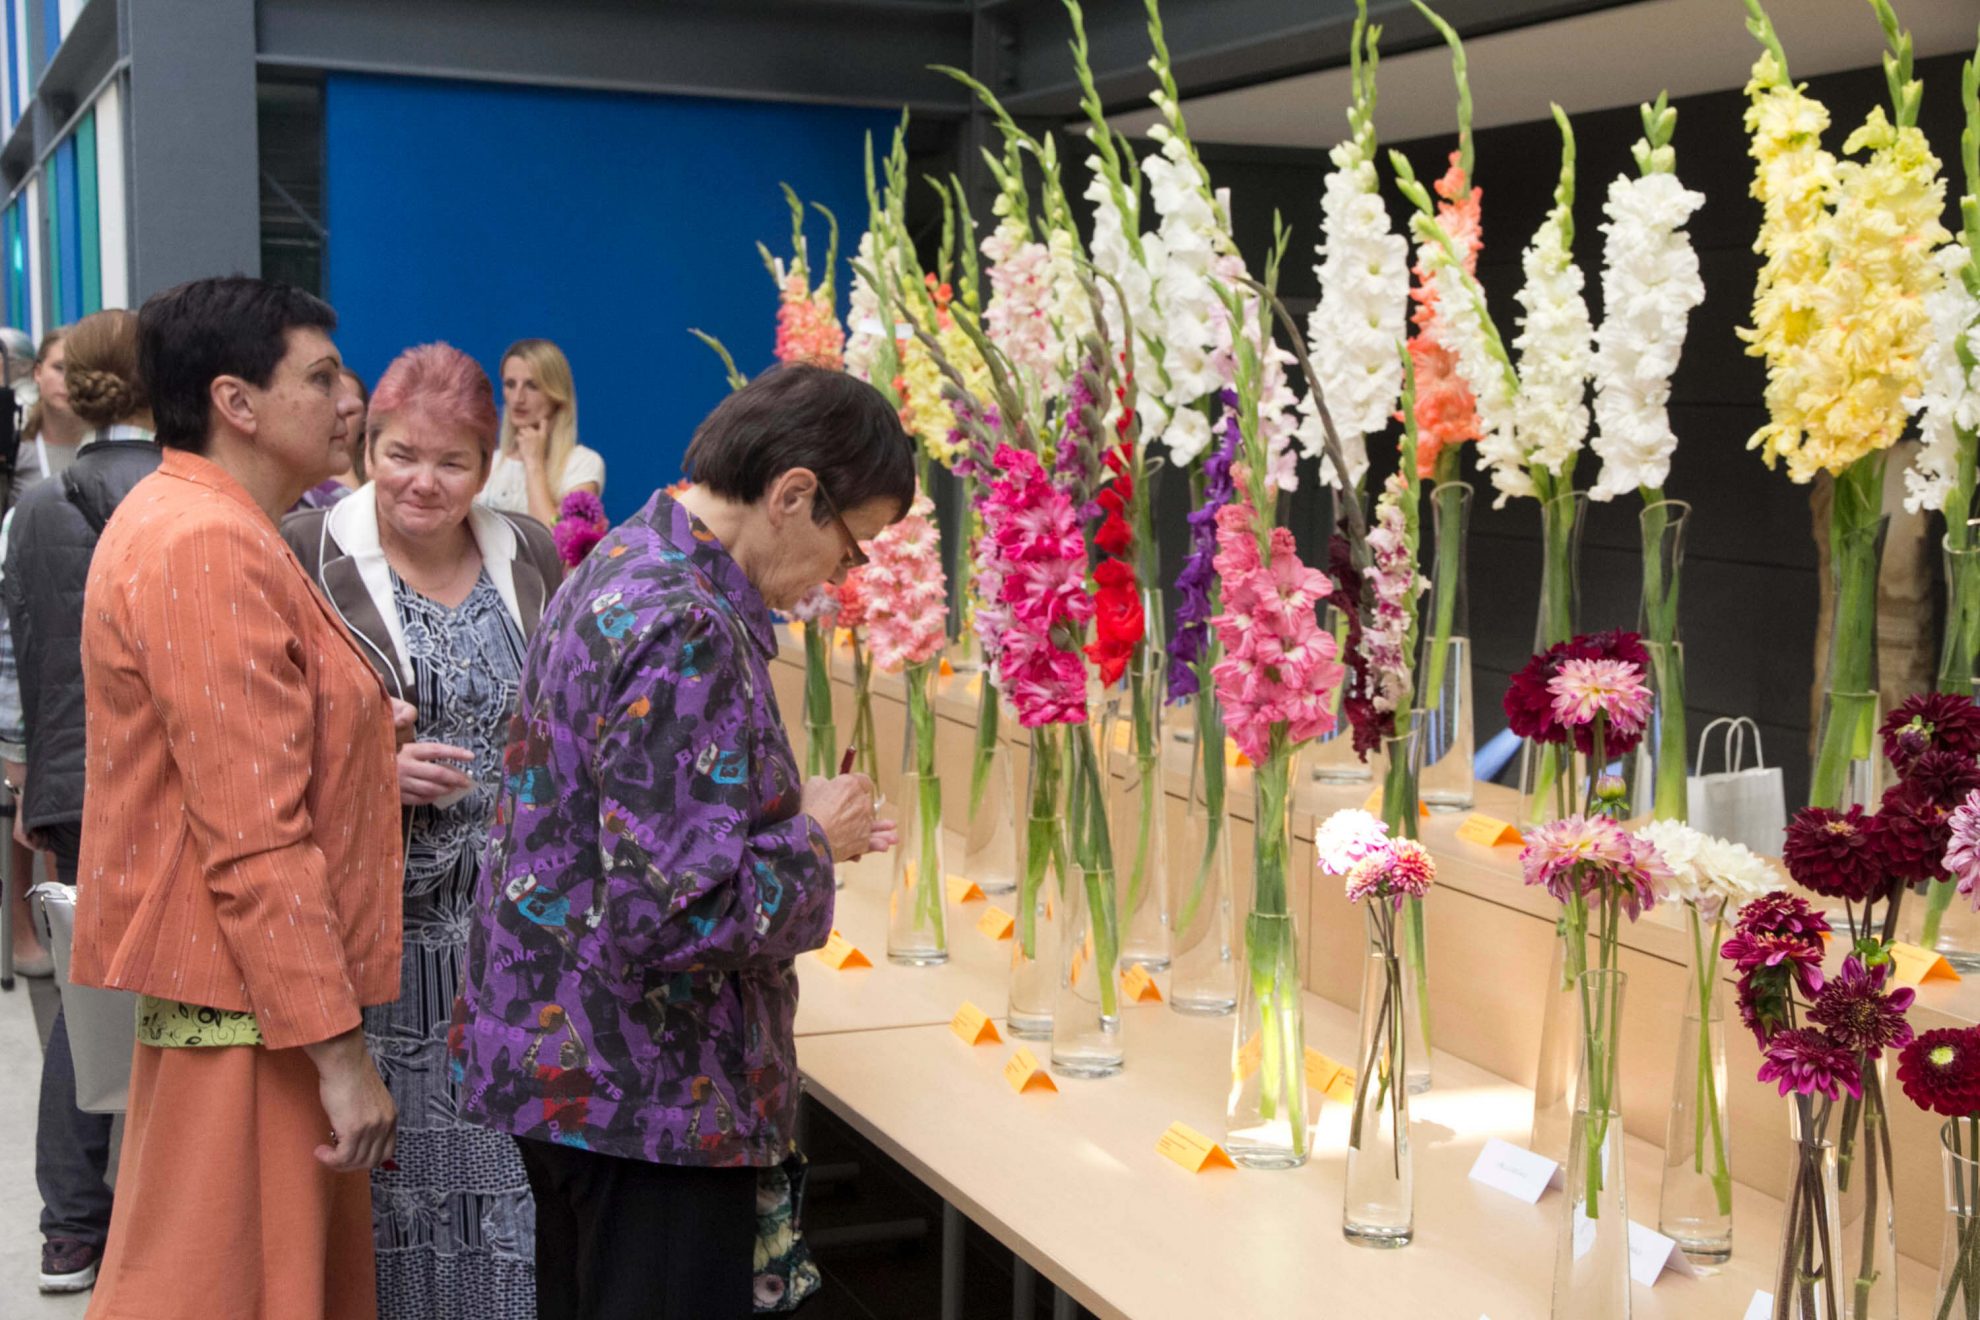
[[620, 1239], [71, 1148]]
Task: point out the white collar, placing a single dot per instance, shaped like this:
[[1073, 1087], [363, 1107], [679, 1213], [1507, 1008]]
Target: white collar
[[353, 523]]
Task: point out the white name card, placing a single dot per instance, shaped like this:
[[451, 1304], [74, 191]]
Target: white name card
[[1651, 1253], [1761, 1307], [1514, 1170]]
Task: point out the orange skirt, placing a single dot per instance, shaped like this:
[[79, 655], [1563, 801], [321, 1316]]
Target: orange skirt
[[222, 1211]]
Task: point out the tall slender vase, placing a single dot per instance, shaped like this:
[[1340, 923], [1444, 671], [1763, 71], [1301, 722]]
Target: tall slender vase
[[1443, 682], [1560, 1057], [1846, 756], [1591, 1260], [1086, 1014], [1695, 1203], [1269, 1120], [1959, 1249], [1811, 1282], [1331, 757], [1549, 772], [1041, 889], [1953, 929], [1380, 1205], [1137, 810], [1864, 1180], [1203, 976], [1401, 759], [866, 752], [990, 848], [821, 736], [917, 907], [1657, 786]]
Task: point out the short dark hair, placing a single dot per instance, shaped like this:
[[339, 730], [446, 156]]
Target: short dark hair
[[796, 416], [192, 335]]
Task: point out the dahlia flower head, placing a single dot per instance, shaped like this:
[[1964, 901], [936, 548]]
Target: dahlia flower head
[[1594, 856], [1399, 869], [1530, 701], [1279, 667], [1940, 1071], [1347, 837], [1714, 875]]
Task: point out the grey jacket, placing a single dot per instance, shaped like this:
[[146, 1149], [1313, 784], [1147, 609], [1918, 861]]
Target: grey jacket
[[51, 539], [339, 547]]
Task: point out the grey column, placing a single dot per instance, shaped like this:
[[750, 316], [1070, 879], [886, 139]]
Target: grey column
[[194, 159]]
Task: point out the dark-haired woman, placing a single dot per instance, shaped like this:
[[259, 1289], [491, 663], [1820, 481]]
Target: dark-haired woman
[[656, 862]]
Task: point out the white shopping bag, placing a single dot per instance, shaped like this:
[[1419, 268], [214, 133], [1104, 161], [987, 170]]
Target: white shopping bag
[[102, 1024], [1744, 803]]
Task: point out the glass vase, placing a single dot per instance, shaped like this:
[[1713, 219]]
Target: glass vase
[[1331, 756], [1810, 1277], [1086, 1012], [1379, 1210], [1203, 973], [1695, 1202], [1554, 1076], [1548, 773], [1657, 779], [1400, 762], [821, 735], [1959, 654], [990, 849], [1865, 1184], [1137, 807], [1041, 889], [1959, 1246], [1269, 1119], [1591, 1259], [917, 906], [1443, 683], [866, 752], [1846, 752]]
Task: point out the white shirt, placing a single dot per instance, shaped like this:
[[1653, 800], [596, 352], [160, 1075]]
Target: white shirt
[[508, 480]]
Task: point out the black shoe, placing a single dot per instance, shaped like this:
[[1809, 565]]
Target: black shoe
[[69, 1266]]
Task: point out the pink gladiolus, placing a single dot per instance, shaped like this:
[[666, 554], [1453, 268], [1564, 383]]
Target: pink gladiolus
[[906, 594], [1043, 588]]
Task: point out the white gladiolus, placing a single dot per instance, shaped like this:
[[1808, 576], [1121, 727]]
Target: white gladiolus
[[1650, 284], [1461, 325], [1555, 346], [1363, 313], [1949, 402], [863, 325]]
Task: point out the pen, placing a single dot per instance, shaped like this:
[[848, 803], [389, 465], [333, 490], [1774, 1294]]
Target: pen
[[846, 761]]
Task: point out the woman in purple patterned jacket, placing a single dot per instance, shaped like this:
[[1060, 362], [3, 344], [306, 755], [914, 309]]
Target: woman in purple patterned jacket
[[656, 863]]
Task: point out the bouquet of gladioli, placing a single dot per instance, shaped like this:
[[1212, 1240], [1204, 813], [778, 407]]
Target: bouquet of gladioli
[[1650, 283], [906, 608], [1777, 951], [1850, 255]]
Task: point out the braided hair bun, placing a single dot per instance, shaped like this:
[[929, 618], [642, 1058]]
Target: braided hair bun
[[101, 397]]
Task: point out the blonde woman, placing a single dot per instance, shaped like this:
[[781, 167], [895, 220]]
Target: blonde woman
[[540, 460]]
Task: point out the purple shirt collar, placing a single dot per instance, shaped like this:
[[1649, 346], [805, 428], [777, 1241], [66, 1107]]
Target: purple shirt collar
[[689, 535]]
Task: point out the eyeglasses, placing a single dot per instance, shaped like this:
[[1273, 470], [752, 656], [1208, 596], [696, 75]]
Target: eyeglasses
[[854, 557]]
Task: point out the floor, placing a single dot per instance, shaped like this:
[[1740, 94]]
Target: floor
[[885, 1265]]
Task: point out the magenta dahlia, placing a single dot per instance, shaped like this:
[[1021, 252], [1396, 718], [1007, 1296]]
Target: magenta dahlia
[[1807, 1062], [1859, 1012]]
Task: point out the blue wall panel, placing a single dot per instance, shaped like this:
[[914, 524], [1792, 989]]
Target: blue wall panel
[[69, 249], [13, 63], [609, 223]]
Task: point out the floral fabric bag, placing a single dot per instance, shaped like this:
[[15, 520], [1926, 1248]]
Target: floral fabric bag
[[785, 1272]]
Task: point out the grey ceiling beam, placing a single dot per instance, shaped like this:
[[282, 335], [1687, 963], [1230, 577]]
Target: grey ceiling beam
[[846, 52], [1220, 44]]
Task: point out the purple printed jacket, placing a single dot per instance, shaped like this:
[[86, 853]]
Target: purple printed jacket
[[649, 878]]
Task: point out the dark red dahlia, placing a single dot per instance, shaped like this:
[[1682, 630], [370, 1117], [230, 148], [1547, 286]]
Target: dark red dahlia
[[1940, 1071], [1529, 706], [1782, 912], [1942, 778], [1836, 854], [1859, 1012], [1912, 835], [1931, 721]]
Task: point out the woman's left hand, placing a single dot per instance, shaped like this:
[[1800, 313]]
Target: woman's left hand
[[405, 716], [425, 778]]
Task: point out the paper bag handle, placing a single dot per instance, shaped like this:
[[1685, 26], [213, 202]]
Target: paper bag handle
[[1733, 743]]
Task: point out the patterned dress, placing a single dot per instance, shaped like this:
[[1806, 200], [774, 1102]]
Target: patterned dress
[[455, 1223]]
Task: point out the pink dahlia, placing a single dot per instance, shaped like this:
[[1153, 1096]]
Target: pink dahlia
[[1613, 689], [1807, 1062], [1399, 869], [1962, 859], [1593, 854]]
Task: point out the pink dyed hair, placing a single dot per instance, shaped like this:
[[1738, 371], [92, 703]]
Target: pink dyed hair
[[443, 385]]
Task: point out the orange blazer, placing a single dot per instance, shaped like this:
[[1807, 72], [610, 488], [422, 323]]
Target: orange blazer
[[241, 842]]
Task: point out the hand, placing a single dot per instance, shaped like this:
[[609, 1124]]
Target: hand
[[15, 773], [844, 809], [532, 442], [363, 1121], [424, 775], [405, 716]]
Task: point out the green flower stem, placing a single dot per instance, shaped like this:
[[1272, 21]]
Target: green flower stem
[[1274, 981], [989, 715], [821, 751], [929, 880], [1209, 752], [1042, 832], [1853, 521], [1660, 609], [1144, 698], [1093, 851], [1705, 958], [1450, 548], [866, 756]]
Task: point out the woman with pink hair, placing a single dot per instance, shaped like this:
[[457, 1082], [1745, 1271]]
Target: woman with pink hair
[[442, 595]]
